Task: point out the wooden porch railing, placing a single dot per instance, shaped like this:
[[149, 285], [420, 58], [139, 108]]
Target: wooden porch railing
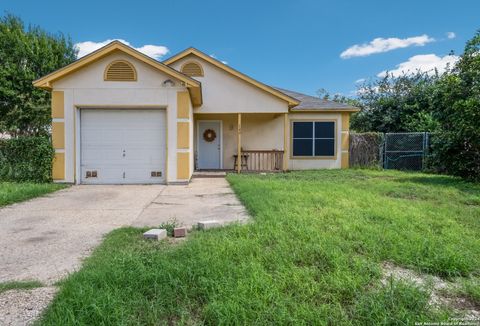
[[262, 160]]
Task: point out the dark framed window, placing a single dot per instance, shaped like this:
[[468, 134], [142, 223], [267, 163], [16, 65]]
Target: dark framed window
[[313, 138]]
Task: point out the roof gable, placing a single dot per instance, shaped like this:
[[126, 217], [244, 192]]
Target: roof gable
[[192, 51], [193, 85]]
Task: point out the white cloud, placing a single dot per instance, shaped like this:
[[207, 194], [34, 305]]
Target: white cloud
[[154, 51], [380, 45], [423, 62], [359, 81], [215, 57], [451, 35]]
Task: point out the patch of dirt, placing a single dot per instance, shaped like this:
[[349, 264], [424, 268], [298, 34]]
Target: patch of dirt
[[24, 307], [442, 291], [408, 195]]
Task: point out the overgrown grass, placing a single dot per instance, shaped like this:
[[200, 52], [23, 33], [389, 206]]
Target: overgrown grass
[[470, 288], [19, 285], [311, 256], [13, 192]]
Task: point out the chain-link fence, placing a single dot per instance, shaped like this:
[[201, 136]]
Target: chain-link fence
[[400, 151], [405, 150]]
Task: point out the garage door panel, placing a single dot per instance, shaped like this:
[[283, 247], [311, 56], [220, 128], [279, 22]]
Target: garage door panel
[[142, 158], [137, 137], [94, 156], [123, 146]]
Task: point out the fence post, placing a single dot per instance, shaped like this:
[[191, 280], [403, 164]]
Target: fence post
[[425, 148], [384, 150]]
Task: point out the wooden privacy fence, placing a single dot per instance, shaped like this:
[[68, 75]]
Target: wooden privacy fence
[[366, 149], [262, 160]]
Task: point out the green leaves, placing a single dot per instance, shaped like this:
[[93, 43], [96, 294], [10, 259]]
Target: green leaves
[[396, 104], [26, 159], [26, 55], [447, 105]]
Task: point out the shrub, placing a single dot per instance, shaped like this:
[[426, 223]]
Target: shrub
[[26, 159]]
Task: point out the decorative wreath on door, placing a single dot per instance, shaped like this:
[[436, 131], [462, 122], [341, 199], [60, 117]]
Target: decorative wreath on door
[[209, 135]]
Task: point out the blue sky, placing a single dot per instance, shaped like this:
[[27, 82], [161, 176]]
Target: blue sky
[[291, 44]]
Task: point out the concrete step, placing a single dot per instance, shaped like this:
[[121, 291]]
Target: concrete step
[[209, 174]]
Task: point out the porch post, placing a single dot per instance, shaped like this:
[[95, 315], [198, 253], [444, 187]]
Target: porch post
[[239, 142], [285, 142]]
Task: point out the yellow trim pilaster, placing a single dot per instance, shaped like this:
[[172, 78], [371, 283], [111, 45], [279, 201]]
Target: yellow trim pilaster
[[183, 99], [183, 165], [183, 135], [345, 160], [58, 166], [345, 140], [58, 104], [345, 121], [58, 135]]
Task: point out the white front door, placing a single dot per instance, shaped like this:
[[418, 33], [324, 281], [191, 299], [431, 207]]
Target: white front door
[[209, 140], [122, 146]]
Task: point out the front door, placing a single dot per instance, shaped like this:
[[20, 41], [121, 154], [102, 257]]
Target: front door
[[209, 140]]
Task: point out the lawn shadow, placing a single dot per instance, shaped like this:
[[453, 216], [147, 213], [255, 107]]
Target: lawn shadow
[[443, 181]]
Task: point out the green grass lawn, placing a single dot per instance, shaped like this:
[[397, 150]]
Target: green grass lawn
[[19, 285], [12, 192], [312, 255]]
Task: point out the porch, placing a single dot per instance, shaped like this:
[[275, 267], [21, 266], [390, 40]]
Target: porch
[[259, 139]]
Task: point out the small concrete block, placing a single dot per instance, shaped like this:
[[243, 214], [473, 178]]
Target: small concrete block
[[205, 225], [155, 234], [179, 232]]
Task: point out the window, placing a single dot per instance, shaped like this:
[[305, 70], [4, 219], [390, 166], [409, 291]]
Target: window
[[313, 138], [120, 70], [192, 69]]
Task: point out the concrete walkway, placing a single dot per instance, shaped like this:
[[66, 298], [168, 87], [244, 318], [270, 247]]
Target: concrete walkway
[[46, 238], [202, 199]]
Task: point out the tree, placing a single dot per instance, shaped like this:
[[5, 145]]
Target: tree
[[337, 97], [25, 55], [396, 104], [456, 99]]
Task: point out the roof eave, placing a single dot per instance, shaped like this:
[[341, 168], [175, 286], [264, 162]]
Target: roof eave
[[292, 102], [329, 110], [45, 81]]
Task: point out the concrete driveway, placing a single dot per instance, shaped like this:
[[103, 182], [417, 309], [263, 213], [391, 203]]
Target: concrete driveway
[[46, 238]]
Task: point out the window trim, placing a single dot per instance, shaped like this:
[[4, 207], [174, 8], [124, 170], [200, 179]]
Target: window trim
[[335, 145]]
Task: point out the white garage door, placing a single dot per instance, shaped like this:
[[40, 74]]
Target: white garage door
[[122, 146]]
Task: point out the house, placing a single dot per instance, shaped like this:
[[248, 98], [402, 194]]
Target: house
[[119, 116]]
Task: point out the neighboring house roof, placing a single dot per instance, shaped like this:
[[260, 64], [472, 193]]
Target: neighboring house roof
[[312, 103], [292, 101], [193, 85]]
